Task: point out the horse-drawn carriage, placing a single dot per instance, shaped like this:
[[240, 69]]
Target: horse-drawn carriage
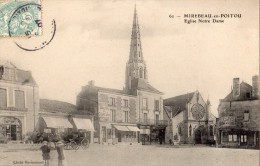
[[75, 141]]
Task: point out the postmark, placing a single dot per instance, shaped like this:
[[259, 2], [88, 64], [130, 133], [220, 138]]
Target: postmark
[[37, 43], [20, 18]]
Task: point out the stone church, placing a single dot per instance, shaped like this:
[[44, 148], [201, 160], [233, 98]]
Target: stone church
[[129, 115], [190, 119]]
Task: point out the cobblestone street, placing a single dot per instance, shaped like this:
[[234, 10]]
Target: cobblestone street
[[138, 155]]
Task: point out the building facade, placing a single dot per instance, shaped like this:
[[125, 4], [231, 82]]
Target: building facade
[[19, 102], [132, 114], [190, 119], [239, 116]]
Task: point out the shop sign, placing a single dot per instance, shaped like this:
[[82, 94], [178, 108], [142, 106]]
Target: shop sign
[[144, 131], [227, 121], [47, 130]]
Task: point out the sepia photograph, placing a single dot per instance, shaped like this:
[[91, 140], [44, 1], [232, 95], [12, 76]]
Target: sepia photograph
[[134, 83]]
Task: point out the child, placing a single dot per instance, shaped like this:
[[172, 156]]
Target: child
[[45, 153]]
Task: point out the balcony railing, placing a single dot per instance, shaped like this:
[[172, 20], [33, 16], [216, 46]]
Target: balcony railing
[[152, 122], [13, 109]]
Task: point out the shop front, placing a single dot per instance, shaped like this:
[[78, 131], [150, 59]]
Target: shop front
[[239, 138], [54, 128], [84, 127], [117, 133], [11, 128]]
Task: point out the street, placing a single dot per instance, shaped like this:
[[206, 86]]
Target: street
[[138, 155]]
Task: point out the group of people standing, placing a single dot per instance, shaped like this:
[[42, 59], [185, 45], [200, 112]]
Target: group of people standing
[[45, 148]]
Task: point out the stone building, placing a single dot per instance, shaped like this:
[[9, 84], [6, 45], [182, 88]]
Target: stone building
[[131, 114], [239, 116], [19, 102], [190, 119]]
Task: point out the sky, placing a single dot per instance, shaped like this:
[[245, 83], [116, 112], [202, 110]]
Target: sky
[[92, 42]]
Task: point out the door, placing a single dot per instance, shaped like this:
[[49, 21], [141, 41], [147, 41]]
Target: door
[[198, 136], [13, 132], [104, 134], [119, 137]]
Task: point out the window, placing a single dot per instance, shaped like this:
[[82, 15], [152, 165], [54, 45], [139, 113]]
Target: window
[[126, 116], [141, 72], [125, 103], [246, 116], [179, 130], [211, 130], [9, 74], [232, 137], [113, 115], [156, 119], [3, 98], [243, 138], [19, 99], [190, 130], [156, 105], [145, 117], [145, 103], [112, 101]]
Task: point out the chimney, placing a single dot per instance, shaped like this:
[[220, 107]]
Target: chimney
[[236, 88], [255, 87], [91, 83]]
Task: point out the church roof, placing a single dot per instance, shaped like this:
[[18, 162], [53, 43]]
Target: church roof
[[142, 84], [175, 105], [244, 88]]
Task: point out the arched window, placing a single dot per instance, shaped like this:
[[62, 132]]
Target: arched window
[[190, 130], [179, 129], [141, 72], [211, 130], [145, 74]]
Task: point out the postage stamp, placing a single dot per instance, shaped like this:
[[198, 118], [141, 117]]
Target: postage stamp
[[20, 18]]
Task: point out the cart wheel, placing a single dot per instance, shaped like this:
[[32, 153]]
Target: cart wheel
[[84, 144], [74, 145]]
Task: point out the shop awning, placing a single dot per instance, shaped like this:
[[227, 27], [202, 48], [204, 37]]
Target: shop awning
[[84, 124], [54, 122], [121, 128], [133, 128]]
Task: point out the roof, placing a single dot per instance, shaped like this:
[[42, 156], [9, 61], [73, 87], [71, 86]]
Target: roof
[[179, 101], [142, 84], [56, 106], [177, 104], [110, 90], [244, 88], [21, 76]]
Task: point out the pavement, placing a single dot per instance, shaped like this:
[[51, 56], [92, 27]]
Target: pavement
[[134, 155]]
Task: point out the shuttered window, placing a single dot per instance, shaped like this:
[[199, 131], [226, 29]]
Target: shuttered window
[[19, 99], [3, 98]]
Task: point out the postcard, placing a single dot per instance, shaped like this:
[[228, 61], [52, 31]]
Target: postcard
[[145, 82]]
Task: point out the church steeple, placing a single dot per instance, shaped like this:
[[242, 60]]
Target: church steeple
[[135, 67], [136, 46]]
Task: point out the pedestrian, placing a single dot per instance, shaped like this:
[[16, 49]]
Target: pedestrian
[[61, 157], [45, 153]]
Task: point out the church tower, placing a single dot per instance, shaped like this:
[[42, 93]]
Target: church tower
[[135, 67]]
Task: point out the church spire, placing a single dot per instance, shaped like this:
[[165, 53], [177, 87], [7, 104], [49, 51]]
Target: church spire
[[136, 47], [135, 67]]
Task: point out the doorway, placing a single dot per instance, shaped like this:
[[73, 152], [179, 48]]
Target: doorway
[[198, 136], [13, 132]]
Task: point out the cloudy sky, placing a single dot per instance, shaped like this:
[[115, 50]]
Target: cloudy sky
[[92, 42]]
